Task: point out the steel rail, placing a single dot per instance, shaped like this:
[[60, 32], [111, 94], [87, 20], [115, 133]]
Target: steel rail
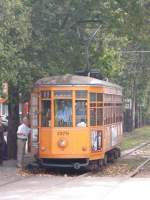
[[139, 168], [134, 149]]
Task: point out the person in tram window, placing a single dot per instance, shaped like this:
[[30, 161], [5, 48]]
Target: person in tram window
[[1, 141], [64, 114], [68, 113], [81, 123], [60, 114]]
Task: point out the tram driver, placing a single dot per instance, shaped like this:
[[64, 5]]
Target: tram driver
[[64, 114], [81, 123]]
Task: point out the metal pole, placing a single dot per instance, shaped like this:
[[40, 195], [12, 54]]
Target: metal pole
[[87, 47]]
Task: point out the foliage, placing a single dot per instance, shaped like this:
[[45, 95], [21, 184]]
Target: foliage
[[41, 38], [62, 30], [15, 36], [51, 37]]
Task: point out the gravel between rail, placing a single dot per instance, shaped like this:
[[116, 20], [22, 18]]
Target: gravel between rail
[[126, 165], [133, 162]]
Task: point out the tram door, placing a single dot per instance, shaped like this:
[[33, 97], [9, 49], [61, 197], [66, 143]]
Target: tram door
[[45, 123], [34, 110]]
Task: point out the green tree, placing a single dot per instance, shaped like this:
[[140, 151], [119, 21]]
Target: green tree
[[61, 31], [14, 37], [39, 38]]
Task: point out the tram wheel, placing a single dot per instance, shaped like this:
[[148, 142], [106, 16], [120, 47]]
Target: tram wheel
[[117, 153], [105, 160], [93, 165], [111, 156], [100, 164], [90, 166]]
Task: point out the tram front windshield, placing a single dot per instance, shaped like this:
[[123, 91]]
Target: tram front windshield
[[63, 108], [63, 112]]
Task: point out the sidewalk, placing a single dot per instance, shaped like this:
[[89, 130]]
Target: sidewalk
[[9, 172]]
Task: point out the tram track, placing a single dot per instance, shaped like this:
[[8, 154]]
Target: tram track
[[139, 168], [124, 154], [137, 152], [133, 153], [75, 176]]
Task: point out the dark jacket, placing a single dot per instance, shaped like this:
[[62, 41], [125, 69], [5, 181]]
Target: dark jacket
[[1, 135]]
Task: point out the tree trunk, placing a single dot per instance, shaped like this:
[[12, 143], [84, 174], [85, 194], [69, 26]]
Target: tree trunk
[[13, 121], [133, 112], [136, 115], [133, 104]]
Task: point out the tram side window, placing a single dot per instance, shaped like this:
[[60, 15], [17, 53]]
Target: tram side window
[[46, 113], [119, 114], [99, 116], [63, 112], [81, 113], [93, 108], [81, 108], [99, 109], [114, 114], [81, 94], [34, 110]]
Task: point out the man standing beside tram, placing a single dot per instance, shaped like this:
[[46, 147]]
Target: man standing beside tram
[[22, 136]]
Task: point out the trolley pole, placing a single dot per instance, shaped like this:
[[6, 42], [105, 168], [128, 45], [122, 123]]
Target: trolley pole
[[87, 48]]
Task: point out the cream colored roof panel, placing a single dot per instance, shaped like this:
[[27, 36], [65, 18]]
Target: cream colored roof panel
[[70, 79]]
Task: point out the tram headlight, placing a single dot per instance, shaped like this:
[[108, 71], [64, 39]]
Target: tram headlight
[[62, 142], [34, 135]]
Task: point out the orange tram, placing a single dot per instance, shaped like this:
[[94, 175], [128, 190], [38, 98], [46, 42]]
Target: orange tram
[[76, 121]]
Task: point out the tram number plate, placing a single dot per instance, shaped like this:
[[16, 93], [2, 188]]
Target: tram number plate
[[62, 133]]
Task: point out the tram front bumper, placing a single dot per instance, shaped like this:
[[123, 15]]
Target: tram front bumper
[[64, 163]]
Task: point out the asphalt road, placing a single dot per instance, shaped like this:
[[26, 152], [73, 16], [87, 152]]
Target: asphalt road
[[49, 187]]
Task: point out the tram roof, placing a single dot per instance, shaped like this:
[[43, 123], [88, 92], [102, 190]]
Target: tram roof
[[70, 79]]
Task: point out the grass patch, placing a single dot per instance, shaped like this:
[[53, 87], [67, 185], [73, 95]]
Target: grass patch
[[136, 137]]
